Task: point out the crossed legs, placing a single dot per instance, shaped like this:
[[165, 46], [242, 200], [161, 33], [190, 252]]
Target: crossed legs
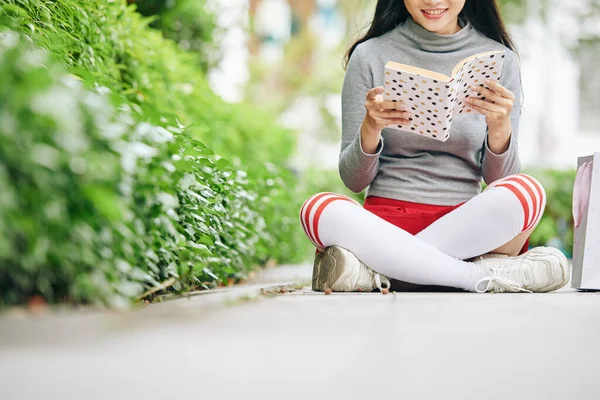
[[507, 209]]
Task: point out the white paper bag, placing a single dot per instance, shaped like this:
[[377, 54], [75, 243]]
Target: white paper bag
[[586, 217]]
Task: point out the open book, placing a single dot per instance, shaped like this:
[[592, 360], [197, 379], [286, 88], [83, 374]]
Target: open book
[[434, 99]]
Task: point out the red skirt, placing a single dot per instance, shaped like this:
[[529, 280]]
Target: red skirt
[[411, 217]]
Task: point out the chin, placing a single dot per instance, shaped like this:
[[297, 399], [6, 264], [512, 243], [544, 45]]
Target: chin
[[434, 26]]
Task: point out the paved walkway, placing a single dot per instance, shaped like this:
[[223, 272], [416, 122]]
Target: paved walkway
[[305, 345]]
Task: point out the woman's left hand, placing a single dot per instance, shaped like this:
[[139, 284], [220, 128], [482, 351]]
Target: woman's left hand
[[496, 104]]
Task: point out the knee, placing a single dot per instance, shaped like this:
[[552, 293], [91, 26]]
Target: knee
[[535, 185], [525, 182], [321, 200], [311, 211], [530, 193], [529, 185]]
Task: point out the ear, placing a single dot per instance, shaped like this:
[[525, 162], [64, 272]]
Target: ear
[[581, 191]]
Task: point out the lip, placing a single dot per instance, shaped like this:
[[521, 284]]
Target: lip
[[428, 16]]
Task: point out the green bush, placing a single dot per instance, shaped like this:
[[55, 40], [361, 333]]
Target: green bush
[[80, 235], [110, 44], [113, 44], [63, 228], [99, 206]]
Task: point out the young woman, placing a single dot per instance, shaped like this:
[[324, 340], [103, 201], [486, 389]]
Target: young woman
[[463, 238]]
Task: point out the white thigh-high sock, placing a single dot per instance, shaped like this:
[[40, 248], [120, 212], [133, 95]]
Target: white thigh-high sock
[[489, 220], [330, 219]]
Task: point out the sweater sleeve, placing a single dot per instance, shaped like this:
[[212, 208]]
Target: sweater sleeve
[[496, 166], [357, 168]]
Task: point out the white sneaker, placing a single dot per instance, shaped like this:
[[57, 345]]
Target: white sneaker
[[541, 269], [340, 271]]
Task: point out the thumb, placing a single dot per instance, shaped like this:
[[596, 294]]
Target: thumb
[[380, 91], [375, 92]]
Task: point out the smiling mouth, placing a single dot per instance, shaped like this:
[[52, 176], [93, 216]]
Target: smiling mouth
[[435, 12]]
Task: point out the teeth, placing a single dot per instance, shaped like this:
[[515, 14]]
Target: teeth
[[434, 12]]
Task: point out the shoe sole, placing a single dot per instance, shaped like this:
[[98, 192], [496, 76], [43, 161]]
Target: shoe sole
[[316, 269], [331, 267]]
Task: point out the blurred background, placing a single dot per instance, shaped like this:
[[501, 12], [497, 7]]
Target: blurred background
[[225, 115]]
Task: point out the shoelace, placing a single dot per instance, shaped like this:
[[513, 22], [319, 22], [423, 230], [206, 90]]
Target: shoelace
[[505, 283], [378, 281]]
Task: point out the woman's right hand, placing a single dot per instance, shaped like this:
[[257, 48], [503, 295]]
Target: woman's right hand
[[380, 113]]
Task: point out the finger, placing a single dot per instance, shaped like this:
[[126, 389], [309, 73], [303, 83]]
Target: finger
[[377, 104], [393, 105], [501, 90], [373, 93], [491, 96], [484, 104], [400, 121], [391, 114], [486, 113], [392, 121]]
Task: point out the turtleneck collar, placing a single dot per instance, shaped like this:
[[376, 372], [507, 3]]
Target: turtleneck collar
[[434, 42]]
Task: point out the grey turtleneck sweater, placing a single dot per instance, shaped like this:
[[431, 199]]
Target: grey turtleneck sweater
[[407, 166]]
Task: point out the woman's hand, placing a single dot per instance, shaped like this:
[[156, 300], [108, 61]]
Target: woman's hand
[[379, 114], [495, 104]]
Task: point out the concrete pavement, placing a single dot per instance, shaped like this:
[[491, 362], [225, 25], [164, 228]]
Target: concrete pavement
[[301, 345]]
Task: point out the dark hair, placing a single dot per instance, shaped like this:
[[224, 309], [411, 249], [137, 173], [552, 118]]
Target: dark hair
[[483, 15]]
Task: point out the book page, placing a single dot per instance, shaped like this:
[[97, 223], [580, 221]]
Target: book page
[[473, 73], [460, 65], [417, 71], [427, 100]]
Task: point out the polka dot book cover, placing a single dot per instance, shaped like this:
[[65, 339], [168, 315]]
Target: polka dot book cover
[[435, 99]]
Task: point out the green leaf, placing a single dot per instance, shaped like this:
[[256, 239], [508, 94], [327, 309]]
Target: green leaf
[[15, 9], [106, 201], [210, 273]]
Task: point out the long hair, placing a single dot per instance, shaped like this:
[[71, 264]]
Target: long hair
[[483, 15]]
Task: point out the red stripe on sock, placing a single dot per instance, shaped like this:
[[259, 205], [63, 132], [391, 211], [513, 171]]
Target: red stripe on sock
[[541, 195], [308, 235], [307, 208], [310, 203], [521, 198], [320, 211], [534, 199], [302, 213]]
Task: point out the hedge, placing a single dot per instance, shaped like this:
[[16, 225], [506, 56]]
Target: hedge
[[113, 44], [91, 227], [110, 44]]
